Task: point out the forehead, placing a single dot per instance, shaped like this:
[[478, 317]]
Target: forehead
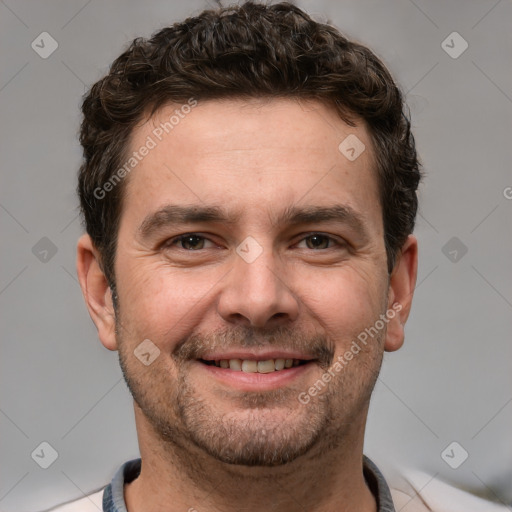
[[252, 155]]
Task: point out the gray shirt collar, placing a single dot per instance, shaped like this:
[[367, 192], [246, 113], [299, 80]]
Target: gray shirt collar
[[113, 497]]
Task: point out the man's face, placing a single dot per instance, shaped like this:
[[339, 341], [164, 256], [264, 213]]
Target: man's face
[[265, 285]]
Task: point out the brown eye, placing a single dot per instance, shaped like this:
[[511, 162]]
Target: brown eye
[[319, 241], [189, 242], [192, 242]]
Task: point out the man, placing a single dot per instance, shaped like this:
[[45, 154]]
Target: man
[[249, 193]]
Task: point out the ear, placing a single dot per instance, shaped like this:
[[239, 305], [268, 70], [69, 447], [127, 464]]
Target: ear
[[401, 291], [96, 291]]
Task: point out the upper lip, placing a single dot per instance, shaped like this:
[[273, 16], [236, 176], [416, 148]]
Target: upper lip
[[260, 356]]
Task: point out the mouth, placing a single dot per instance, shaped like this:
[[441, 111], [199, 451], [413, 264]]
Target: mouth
[[255, 365], [249, 372]]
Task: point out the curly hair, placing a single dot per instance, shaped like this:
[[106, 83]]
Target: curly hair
[[246, 51]]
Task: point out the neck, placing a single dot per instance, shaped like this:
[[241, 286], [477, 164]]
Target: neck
[[327, 478]]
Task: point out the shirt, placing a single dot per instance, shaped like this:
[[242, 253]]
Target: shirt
[[416, 492], [111, 497]]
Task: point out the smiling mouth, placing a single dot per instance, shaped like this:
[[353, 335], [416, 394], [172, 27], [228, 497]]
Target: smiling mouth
[[256, 366]]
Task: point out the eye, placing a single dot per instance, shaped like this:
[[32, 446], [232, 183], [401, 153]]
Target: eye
[[317, 241], [194, 242], [188, 242]]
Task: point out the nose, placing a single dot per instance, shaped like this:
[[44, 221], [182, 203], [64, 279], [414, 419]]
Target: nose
[[256, 294]]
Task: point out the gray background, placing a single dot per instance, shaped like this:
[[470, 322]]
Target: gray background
[[450, 382]]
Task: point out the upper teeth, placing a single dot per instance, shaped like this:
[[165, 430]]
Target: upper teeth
[[251, 366]]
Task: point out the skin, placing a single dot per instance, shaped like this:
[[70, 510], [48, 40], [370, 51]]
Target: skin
[[201, 440]]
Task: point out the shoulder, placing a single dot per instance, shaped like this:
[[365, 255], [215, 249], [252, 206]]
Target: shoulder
[[90, 503], [420, 492], [408, 502]]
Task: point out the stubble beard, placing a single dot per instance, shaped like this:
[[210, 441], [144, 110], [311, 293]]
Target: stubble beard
[[266, 429]]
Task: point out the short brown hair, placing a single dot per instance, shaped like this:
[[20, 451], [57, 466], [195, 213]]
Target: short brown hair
[[245, 51]]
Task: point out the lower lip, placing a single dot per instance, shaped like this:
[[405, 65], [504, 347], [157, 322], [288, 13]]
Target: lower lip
[[245, 381]]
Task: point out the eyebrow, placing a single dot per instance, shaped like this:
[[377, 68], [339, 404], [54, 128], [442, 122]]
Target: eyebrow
[[292, 215]]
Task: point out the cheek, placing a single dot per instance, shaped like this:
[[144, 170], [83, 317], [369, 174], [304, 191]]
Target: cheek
[[163, 304], [345, 302]]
